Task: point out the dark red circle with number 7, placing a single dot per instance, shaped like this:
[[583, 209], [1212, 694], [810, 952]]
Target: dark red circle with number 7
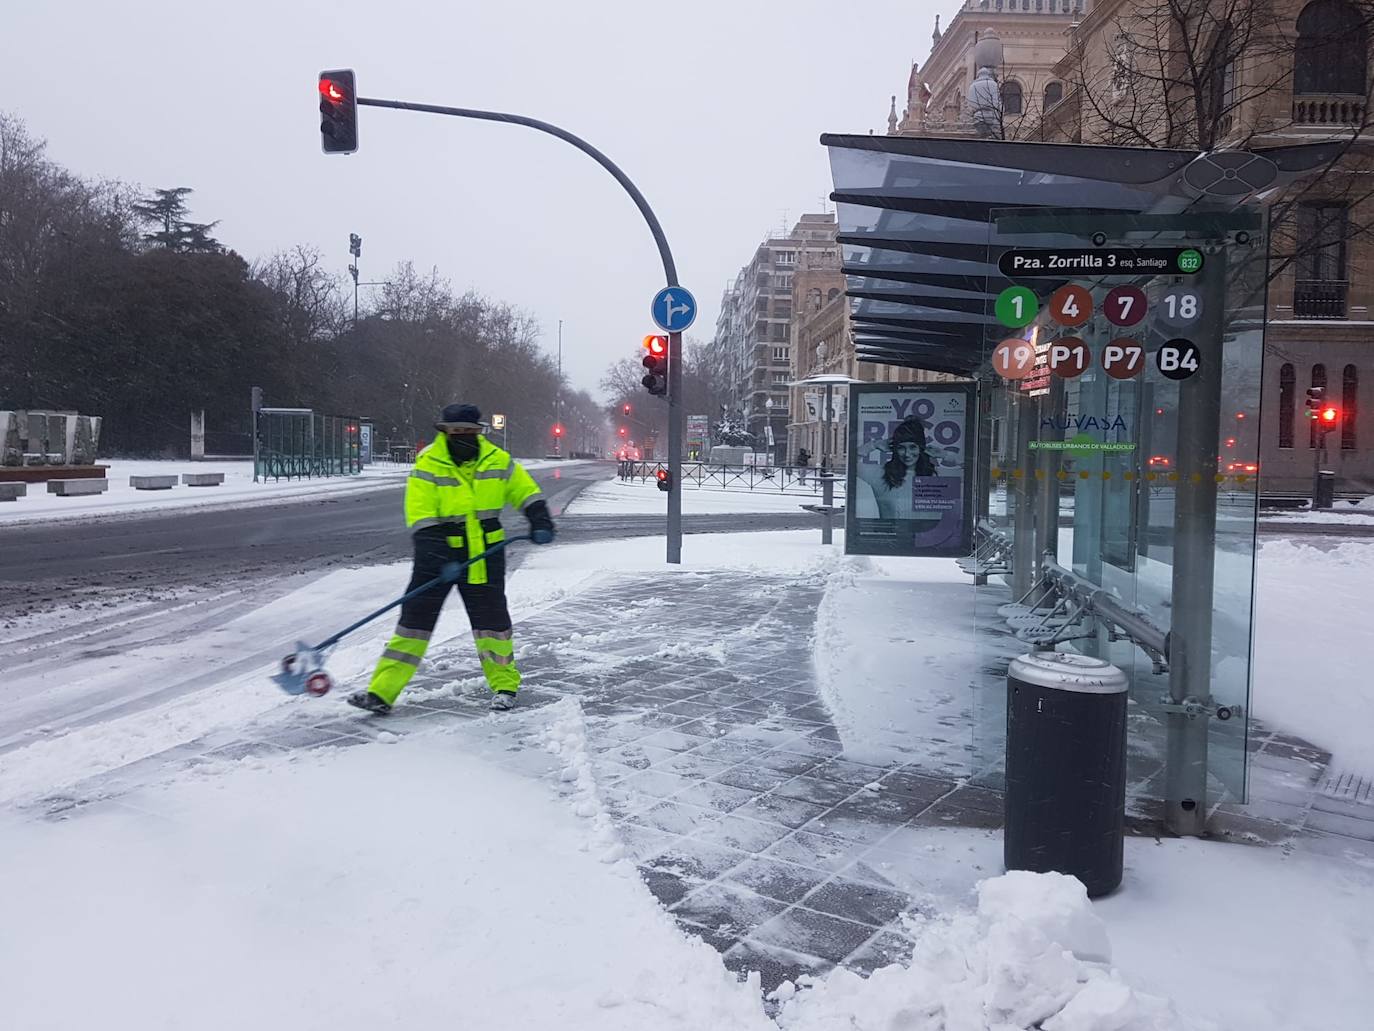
[[1125, 305]]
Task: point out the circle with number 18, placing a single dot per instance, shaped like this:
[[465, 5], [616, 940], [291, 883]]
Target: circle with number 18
[[1017, 306]]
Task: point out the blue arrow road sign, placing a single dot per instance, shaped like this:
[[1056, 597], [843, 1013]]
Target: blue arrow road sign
[[674, 309]]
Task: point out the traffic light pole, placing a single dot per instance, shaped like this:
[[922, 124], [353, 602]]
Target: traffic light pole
[[675, 419]]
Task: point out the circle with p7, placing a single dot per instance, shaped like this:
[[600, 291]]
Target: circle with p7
[[1071, 305], [1013, 359], [1017, 306], [1178, 359], [1069, 357], [1122, 359], [1125, 305], [1180, 306]]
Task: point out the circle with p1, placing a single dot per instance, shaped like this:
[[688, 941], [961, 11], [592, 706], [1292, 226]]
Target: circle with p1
[[1122, 359], [1125, 305], [1178, 359], [1071, 305], [1017, 306], [1069, 357], [1180, 306], [1013, 359]]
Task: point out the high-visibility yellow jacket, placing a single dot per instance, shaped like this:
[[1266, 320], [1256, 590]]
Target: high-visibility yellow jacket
[[467, 499]]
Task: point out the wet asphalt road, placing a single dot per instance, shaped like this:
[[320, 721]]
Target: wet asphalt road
[[67, 561]]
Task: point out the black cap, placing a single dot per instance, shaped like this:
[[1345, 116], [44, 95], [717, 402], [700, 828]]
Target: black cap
[[461, 417]]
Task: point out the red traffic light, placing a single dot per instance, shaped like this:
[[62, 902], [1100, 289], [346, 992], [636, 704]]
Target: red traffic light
[[622, 431], [656, 345], [332, 91], [1330, 414], [627, 409], [662, 474], [558, 431]]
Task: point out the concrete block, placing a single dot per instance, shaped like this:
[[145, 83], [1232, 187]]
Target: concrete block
[[202, 479], [13, 491], [72, 488], [153, 482]]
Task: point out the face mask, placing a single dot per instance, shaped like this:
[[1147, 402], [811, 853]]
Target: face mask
[[462, 447]]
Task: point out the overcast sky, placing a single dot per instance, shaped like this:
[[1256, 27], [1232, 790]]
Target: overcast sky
[[712, 106]]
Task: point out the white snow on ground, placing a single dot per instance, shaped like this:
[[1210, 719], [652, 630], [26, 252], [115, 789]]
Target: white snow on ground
[[1343, 514], [895, 654], [1249, 939], [411, 885], [624, 497], [237, 491], [1312, 646]]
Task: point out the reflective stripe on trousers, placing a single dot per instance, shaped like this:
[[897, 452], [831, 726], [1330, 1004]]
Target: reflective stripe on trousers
[[496, 649], [398, 663]]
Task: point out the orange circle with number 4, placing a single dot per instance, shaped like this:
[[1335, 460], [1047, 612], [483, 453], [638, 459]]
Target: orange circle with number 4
[[1013, 358], [1071, 305]]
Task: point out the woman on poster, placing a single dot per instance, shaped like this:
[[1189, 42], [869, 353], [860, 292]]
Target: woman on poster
[[908, 457]]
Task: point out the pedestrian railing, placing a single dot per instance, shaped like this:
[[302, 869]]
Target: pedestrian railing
[[801, 480]]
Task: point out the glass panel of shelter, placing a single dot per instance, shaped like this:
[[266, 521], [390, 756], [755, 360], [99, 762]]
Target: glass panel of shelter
[[1119, 454]]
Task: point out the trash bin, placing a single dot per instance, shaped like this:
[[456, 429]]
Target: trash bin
[[1326, 489], [1066, 768]]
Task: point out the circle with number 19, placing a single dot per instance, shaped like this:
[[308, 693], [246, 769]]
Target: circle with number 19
[[1017, 306], [1013, 358], [1071, 305]]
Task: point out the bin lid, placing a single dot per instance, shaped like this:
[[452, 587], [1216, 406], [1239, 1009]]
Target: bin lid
[[1067, 671]]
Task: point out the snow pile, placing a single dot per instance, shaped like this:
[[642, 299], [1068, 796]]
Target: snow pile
[[1311, 660], [1032, 956], [566, 739]]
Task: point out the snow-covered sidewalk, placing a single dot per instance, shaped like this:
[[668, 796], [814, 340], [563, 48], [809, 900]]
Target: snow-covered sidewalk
[[696, 730]]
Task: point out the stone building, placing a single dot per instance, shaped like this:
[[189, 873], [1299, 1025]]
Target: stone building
[[1292, 71]]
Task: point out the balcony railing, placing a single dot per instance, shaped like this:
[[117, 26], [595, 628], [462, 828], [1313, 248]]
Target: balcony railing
[[1328, 109], [1320, 299]]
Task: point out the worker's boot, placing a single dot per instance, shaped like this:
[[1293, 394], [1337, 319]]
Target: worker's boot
[[369, 701]]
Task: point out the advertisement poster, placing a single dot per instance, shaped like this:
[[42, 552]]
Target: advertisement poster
[[910, 469], [696, 435]]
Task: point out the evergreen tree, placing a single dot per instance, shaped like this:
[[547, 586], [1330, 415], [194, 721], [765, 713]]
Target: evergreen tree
[[166, 214]]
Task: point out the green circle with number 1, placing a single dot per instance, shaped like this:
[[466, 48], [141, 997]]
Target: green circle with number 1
[[1017, 306], [1189, 260]]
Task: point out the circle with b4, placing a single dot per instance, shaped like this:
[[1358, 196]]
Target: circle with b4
[[1178, 359]]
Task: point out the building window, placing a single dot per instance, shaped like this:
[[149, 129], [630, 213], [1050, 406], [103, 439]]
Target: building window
[[785, 258], [780, 377], [1318, 380], [780, 354], [1287, 383], [834, 292], [1054, 93], [1332, 54], [780, 331], [1011, 97], [1350, 406], [1320, 290]]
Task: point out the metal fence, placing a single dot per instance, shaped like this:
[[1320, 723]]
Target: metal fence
[[779, 479], [295, 444]]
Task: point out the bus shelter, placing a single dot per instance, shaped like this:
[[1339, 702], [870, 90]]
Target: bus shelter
[[1104, 308]]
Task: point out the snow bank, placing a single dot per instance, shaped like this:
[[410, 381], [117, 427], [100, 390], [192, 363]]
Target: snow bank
[[620, 497], [410, 885], [1312, 645], [1031, 956], [779, 553]]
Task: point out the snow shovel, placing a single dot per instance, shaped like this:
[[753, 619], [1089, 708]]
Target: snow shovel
[[303, 672]]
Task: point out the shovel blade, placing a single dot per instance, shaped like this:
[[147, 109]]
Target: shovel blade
[[297, 668]]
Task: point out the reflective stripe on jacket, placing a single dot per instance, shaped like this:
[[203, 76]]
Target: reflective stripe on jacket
[[440, 493]]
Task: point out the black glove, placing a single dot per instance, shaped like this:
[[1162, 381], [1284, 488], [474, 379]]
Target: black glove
[[542, 530]]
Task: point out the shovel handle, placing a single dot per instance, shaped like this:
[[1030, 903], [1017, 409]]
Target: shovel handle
[[449, 576]]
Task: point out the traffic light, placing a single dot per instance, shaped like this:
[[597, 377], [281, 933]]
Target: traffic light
[[557, 430], [623, 431], [1328, 418], [656, 361], [665, 479], [338, 113], [1315, 397]]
